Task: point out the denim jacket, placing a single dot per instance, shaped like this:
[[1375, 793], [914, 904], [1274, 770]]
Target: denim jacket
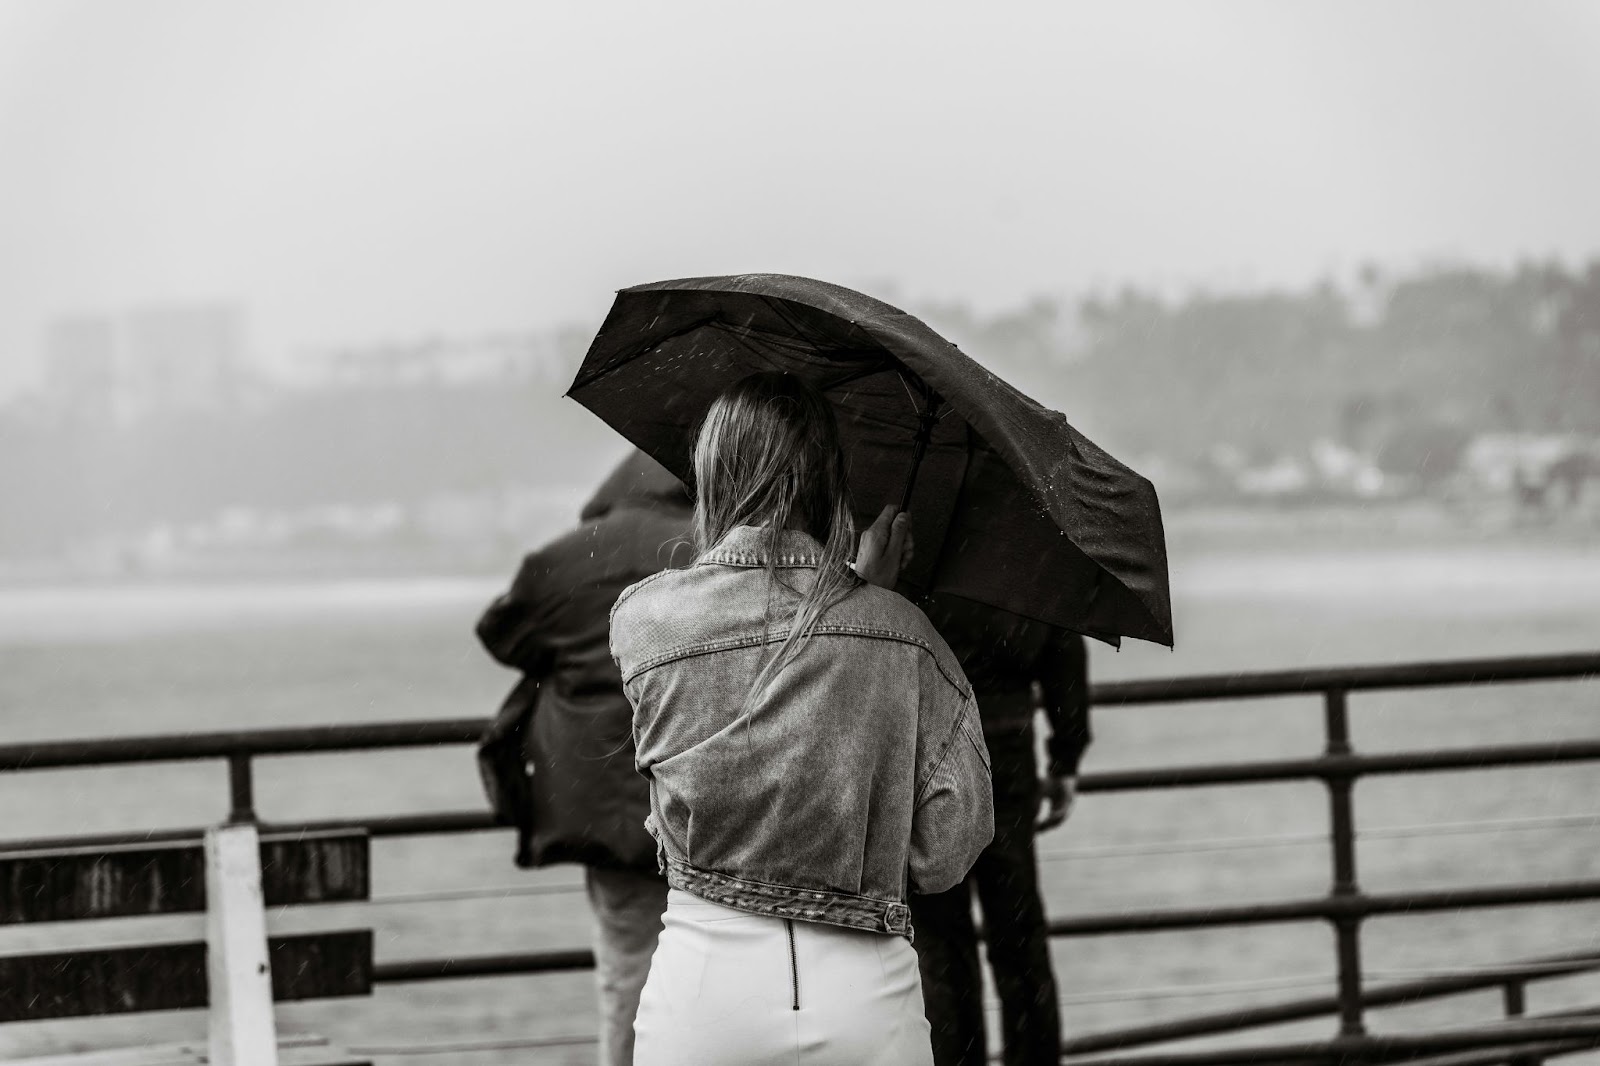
[[859, 774]]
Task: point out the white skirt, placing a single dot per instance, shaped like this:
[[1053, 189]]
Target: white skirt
[[730, 987]]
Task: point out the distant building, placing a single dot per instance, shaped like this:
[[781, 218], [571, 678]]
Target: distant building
[[1501, 461], [81, 365], [151, 360], [501, 357], [181, 358]]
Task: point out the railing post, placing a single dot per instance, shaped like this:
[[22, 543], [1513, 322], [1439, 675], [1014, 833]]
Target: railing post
[[242, 789], [1516, 1000], [1346, 927]]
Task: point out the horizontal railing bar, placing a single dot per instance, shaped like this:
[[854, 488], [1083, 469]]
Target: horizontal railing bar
[[105, 840], [1448, 672], [1410, 991], [295, 740], [405, 825], [1490, 757], [378, 825], [1328, 767], [1192, 918], [1497, 1056], [1345, 1048], [1550, 1049], [1241, 773], [1446, 899], [1197, 845], [510, 964], [388, 735], [301, 740], [1270, 912], [1326, 907], [397, 825], [482, 966]]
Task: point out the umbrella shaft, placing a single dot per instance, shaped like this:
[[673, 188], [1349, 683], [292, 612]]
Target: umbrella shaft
[[930, 416]]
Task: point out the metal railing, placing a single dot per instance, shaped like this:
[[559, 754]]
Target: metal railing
[[1345, 907]]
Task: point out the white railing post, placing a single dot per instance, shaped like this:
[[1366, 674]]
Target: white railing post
[[239, 974]]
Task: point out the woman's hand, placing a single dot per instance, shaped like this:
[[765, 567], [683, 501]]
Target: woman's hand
[[886, 548]]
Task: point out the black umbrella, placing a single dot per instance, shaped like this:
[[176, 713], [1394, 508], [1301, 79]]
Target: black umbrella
[[1010, 505]]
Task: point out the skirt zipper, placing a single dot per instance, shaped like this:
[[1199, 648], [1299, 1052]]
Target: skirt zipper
[[794, 967]]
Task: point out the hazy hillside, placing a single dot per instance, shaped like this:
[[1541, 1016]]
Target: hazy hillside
[[1266, 372], [1404, 369], [363, 446]]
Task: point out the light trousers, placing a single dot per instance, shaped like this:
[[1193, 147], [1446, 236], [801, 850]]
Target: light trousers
[[627, 909], [730, 988]]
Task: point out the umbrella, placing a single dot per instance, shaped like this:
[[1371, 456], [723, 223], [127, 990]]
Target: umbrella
[[1010, 505]]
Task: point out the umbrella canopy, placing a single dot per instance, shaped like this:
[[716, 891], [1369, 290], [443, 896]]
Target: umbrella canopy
[[1011, 505]]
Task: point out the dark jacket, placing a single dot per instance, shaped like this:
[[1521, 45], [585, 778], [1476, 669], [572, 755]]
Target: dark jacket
[[567, 720], [1004, 655]]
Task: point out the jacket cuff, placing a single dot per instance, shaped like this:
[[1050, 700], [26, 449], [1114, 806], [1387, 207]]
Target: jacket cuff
[[1064, 760]]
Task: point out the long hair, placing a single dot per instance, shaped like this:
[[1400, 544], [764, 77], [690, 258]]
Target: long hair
[[768, 455]]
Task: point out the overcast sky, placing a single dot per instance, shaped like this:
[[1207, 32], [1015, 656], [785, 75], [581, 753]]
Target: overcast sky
[[355, 171]]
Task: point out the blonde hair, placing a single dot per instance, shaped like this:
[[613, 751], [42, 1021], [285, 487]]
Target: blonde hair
[[768, 455]]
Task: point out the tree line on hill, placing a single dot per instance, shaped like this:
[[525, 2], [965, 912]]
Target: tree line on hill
[[1406, 369]]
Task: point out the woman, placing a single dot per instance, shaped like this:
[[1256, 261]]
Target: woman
[[813, 753]]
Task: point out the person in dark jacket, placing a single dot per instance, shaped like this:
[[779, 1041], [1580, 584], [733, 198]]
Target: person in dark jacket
[[559, 760], [1015, 665]]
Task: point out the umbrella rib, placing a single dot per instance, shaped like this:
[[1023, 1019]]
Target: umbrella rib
[[739, 334], [585, 380], [856, 375], [907, 389], [780, 307], [777, 340], [799, 346]]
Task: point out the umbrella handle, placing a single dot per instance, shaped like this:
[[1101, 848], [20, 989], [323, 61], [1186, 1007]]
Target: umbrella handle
[[925, 423]]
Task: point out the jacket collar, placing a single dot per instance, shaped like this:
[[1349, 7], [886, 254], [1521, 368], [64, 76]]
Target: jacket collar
[[747, 546]]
